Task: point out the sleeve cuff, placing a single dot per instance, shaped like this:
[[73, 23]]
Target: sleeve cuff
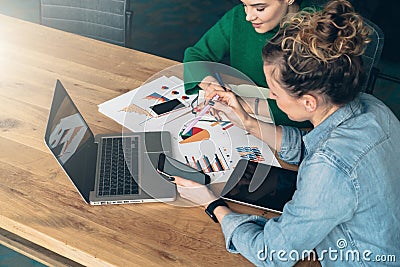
[[232, 221]]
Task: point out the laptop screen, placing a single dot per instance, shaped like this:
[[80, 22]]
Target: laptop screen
[[71, 141]]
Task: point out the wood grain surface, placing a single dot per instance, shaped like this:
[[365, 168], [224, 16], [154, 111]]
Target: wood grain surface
[[38, 202]]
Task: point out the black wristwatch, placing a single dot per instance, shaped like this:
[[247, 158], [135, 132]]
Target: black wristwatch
[[211, 207]]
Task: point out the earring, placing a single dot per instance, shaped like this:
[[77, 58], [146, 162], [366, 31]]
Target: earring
[[290, 2]]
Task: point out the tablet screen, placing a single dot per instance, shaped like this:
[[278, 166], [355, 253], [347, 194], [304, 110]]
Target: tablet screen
[[260, 185]]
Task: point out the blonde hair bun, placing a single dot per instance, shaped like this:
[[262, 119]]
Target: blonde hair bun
[[328, 34]]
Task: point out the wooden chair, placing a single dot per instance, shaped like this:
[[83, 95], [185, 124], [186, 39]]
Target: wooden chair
[[104, 20]]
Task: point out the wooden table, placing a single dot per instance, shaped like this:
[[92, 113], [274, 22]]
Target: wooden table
[[38, 202]]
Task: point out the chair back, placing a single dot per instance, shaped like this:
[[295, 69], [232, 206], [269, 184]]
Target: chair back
[[103, 20], [372, 53]]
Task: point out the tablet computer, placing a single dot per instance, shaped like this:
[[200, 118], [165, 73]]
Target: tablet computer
[[260, 185]]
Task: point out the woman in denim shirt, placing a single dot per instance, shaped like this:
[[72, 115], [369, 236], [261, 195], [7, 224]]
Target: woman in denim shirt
[[347, 203]]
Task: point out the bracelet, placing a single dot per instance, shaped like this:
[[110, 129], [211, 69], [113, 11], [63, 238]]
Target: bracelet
[[256, 101]]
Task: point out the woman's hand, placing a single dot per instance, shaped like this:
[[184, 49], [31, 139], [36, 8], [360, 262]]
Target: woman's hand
[[195, 192], [229, 104], [210, 84], [201, 195]]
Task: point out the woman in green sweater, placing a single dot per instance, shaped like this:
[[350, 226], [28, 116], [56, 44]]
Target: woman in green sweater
[[241, 33]]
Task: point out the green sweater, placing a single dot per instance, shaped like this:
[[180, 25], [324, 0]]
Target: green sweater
[[234, 36]]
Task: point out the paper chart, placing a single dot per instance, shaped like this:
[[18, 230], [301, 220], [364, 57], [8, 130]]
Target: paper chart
[[132, 109], [216, 147]]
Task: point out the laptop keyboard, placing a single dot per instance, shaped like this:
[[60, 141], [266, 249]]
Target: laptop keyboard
[[115, 176]]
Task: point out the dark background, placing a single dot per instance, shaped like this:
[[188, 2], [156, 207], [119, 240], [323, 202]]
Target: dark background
[[167, 27], [386, 15]]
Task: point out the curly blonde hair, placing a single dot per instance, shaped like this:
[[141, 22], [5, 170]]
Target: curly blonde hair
[[320, 51]]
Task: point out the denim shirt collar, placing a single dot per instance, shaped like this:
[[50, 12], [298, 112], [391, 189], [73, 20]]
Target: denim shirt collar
[[314, 137]]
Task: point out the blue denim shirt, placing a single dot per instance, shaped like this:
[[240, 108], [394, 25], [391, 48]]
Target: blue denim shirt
[[347, 202]]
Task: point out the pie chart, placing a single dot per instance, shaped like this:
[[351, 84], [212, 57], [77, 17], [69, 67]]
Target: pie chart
[[196, 134]]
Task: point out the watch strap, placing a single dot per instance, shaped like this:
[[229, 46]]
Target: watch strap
[[211, 207]]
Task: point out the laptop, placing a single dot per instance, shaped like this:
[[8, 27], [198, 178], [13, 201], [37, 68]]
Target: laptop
[[260, 186], [108, 168]]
